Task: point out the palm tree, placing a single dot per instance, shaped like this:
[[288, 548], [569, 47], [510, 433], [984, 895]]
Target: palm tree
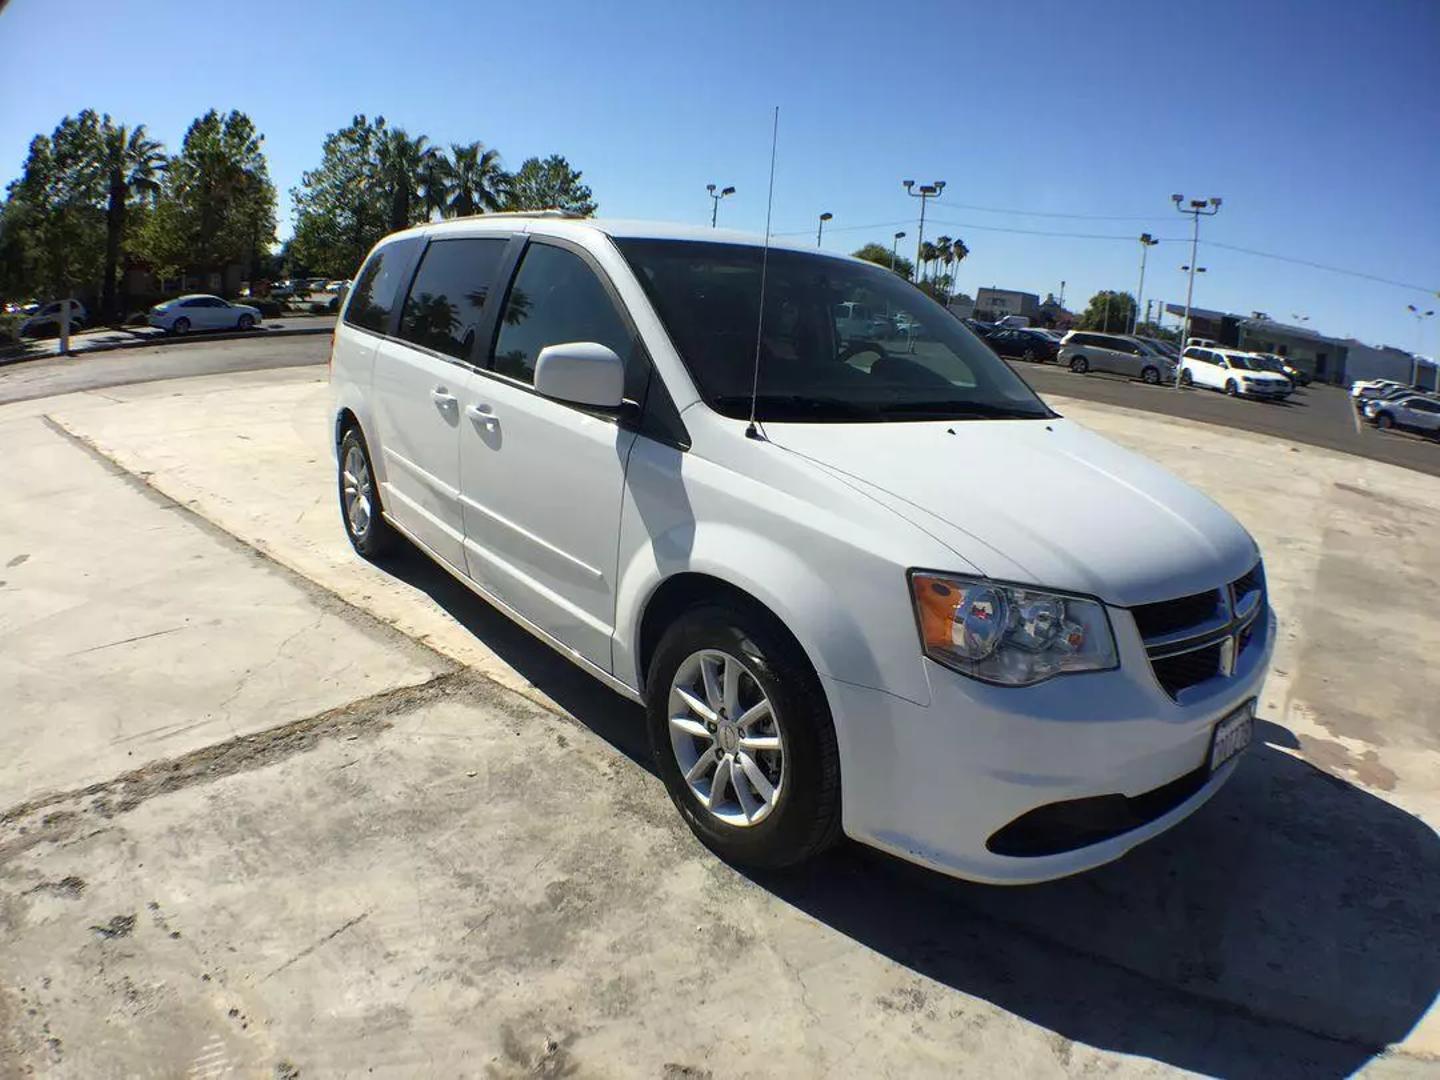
[[477, 182], [942, 252], [437, 178], [131, 162], [404, 165], [927, 256]]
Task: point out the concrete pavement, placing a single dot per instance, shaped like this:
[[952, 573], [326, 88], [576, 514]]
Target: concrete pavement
[[465, 866]]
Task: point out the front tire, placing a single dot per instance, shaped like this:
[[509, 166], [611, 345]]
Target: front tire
[[1231, 390], [1186, 379], [1384, 421], [1079, 365], [370, 534], [742, 737], [246, 322]]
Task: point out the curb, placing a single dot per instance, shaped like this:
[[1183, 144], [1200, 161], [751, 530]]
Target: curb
[[171, 339]]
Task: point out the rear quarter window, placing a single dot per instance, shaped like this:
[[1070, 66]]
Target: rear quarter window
[[377, 288]]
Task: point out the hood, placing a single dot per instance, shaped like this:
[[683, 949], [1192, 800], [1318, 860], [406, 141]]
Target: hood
[[1041, 502], [1262, 376]]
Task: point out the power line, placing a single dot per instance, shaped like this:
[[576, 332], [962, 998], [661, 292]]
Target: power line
[[1319, 266], [1054, 213]]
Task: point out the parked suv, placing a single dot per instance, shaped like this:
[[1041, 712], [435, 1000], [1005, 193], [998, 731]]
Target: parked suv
[[1414, 412], [1237, 374], [1084, 351], [877, 588]]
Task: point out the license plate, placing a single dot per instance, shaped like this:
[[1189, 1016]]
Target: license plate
[[1232, 735]]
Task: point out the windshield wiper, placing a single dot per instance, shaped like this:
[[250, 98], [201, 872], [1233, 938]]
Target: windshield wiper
[[777, 406], [963, 410]]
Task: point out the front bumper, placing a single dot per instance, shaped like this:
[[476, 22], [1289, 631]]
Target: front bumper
[[933, 783], [1274, 392]]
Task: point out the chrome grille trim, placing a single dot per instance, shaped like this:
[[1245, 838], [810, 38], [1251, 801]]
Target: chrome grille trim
[[1231, 627]]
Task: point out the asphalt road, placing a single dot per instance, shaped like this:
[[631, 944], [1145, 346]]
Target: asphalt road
[[1316, 415], [73, 374]]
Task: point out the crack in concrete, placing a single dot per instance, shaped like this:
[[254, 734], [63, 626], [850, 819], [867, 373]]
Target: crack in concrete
[[243, 753], [312, 947]]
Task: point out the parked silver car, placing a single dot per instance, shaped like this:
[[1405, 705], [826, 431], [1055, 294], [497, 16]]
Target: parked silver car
[[1084, 351], [1417, 412]]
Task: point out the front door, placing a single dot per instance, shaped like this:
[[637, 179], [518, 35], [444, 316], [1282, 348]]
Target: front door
[[542, 481]]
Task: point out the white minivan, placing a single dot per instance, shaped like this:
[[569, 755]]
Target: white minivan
[[860, 587]]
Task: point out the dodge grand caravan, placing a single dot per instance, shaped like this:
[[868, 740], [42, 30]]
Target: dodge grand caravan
[[861, 586]]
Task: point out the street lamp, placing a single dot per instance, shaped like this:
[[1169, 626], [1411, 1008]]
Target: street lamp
[[1298, 317], [925, 191], [1197, 208], [1198, 269], [1146, 243], [894, 247], [1420, 317], [821, 230], [715, 200]]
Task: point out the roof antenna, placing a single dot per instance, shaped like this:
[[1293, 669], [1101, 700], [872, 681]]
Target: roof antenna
[[752, 431]]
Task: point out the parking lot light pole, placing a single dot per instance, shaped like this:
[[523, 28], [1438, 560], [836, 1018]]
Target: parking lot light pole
[[1146, 243], [821, 230], [715, 201], [1420, 317], [926, 191], [895, 247], [1197, 209]]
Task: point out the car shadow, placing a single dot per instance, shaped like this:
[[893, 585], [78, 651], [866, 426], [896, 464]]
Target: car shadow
[[1290, 927]]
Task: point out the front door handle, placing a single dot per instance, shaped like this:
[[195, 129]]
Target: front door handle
[[481, 414], [443, 397]]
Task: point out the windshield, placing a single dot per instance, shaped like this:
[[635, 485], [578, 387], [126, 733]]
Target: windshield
[[842, 340], [1269, 363], [1241, 363]]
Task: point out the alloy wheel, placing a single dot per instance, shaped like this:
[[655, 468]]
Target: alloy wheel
[[358, 491], [726, 738]]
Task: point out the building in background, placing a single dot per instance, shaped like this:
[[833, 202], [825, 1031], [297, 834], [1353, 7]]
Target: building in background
[[993, 304], [962, 305], [1053, 315], [1220, 327]]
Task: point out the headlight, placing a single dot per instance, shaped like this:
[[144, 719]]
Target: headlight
[[1009, 634]]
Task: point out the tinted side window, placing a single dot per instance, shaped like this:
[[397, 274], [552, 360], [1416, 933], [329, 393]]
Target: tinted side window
[[448, 295], [556, 298], [374, 295]]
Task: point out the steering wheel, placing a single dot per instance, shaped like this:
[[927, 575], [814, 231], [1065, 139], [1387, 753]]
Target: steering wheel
[[855, 348]]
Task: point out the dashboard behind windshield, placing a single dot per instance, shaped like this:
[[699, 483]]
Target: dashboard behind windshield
[[841, 340]]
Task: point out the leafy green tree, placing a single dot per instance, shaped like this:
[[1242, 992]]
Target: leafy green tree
[[477, 181], [131, 162], [54, 244], [880, 255], [549, 184], [341, 209], [1108, 311], [217, 204]]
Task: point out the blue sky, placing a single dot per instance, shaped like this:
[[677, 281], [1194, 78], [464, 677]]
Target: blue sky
[[1317, 121]]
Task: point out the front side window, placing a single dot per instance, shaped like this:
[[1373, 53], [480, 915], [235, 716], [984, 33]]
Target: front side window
[[916, 362], [556, 299], [447, 297]]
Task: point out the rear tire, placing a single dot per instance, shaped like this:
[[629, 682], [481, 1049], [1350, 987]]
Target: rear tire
[[802, 771], [1028, 354], [1079, 365], [1384, 421], [370, 534], [180, 326], [1186, 379], [1151, 375]]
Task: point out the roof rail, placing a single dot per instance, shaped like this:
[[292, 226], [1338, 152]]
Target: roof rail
[[553, 212]]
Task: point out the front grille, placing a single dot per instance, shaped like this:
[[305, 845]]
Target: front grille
[[1199, 637], [1168, 616], [1187, 669]]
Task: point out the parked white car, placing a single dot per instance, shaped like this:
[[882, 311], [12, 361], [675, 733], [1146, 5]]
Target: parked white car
[[203, 312], [45, 320], [1084, 351], [1413, 412], [1232, 372], [890, 593], [1362, 391]]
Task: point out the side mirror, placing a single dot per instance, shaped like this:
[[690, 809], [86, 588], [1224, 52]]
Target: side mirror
[[581, 373]]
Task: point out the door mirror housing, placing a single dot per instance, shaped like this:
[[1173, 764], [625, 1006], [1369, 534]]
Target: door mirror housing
[[581, 373]]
